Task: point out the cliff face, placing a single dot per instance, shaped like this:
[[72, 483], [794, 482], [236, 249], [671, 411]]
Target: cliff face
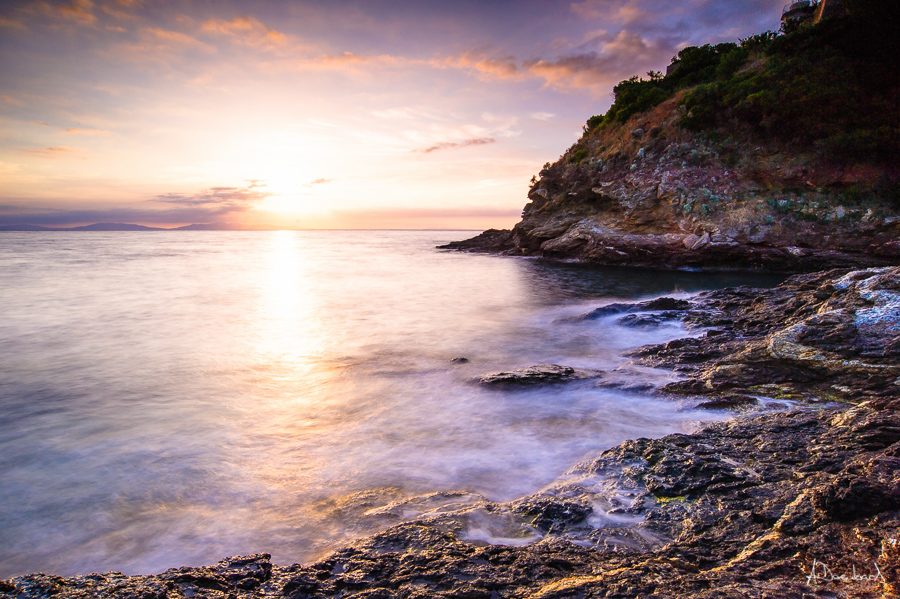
[[750, 156], [649, 193]]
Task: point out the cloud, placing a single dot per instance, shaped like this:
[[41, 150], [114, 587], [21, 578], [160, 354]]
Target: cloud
[[40, 123], [248, 31], [504, 67], [77, 11], [4, 22], [318, 182], [620, 55], [542, 116], [77, 131], [447, 145], [597, 9], [220, 200], [54, 151], [175, 38], [348, 61]]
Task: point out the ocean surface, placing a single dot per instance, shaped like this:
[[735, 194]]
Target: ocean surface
[[171, 398]]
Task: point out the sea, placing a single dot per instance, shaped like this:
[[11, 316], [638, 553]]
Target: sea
[[170, 398]]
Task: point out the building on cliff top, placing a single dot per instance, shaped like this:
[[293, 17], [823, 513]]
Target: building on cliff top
[[806, 10]]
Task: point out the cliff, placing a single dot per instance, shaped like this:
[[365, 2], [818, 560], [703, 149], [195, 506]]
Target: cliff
[[778, 153]]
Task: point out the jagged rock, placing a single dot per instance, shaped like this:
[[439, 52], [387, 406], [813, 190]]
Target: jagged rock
[[607, 310], [728, 402], [666, 304], [646, 321], [540, 374]]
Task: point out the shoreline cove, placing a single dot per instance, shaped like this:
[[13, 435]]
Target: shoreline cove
[[738, 508]]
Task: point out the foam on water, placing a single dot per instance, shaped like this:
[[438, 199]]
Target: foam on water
[[170, 398]]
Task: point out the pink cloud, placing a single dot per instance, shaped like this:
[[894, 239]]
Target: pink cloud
[[79, 11], [53, 152], [448, 145], [77, 131], [488, 68], [4, 22], [595, 71], [249, 31]]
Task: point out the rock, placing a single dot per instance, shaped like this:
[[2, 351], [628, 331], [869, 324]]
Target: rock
[[608, 310], [703, 241], [459, 360], [646, 321], [552, 514], [690, 240], [835, 334], [729, 402], [540, 374], [664, 303]]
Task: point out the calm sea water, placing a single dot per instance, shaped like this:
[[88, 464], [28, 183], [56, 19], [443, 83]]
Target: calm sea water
[[170, 398]]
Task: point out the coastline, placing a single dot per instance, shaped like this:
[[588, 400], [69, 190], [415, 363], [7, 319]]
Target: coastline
[[781, 504]]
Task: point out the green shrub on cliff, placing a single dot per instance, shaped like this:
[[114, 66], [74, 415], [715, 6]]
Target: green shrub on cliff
[[692, 66], [833, 86]]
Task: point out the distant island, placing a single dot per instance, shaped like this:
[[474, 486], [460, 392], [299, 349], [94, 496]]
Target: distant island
[[124, 227]]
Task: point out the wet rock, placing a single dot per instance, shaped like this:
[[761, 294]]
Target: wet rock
[[608, 310], [646, 321], [540, 374], [817, 337], [729, 402], [664, 303], [552, 514]]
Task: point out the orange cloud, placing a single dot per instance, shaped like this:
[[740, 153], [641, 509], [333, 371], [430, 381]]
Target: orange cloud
[[178, 39], [52, 152], [351, 62], [84, 131], [488, 68], [593, 71], [4, 22], [447, 145], [77, 10], [248, 31]]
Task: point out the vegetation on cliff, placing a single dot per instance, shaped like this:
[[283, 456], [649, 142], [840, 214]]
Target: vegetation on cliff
[[781, 152], [830, 86]]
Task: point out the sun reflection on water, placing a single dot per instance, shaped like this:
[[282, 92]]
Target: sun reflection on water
[[289, 340]]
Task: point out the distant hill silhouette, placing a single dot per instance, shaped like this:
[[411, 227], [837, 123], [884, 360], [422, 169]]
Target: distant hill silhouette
[[122, 227]]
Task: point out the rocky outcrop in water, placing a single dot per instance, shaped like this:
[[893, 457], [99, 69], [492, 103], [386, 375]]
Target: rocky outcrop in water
[[818, 337], [539, 374], [799, 503]]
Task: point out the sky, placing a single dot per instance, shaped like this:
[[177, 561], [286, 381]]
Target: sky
[[316, 114]]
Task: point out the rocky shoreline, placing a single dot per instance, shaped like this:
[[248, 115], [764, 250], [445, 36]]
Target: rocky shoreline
[[799, 502]]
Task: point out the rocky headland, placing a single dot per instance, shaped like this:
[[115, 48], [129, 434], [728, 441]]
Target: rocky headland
[[779, 153]]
